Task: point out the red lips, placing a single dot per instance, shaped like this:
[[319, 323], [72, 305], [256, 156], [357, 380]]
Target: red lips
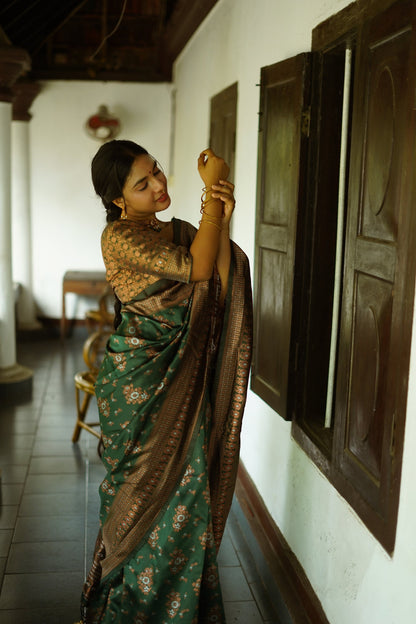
[[163, 197]]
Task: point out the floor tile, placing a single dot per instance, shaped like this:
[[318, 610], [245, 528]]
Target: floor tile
[[40, 616], [96, 472], [8, 515], [54, 483], [37, 591], [50, 528], [70, 503], [242, 612], [59, 412], [46, 448], [53, 432], [21, 413], [5, 541], [255, 568], [92, 533], [13, 474], [15, 457], [22, 441], [58, 416], [91, 453], [93, 504], [17, 426], [234, 584], [57, 465], [10, 493], [61, 401], [45, 557], [245, 556], [3, 561], [263, 601], [227, 555]]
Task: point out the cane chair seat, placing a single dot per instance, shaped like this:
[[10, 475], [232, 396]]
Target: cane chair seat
[[93, 353], [85, 380]]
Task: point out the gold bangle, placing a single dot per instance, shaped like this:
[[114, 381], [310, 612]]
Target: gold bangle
[[210, 216], [210, 199], [205, 191], [209, 222], [205, 215]]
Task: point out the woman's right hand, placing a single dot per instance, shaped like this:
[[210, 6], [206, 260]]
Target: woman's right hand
[[224, 191], [212, 168]]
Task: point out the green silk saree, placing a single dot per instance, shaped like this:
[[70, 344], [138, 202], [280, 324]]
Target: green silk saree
[[171, 393]]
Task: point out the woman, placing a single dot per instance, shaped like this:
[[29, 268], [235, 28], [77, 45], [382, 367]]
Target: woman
[[170, 392]]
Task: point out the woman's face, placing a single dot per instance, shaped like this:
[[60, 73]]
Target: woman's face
[[145, 190]]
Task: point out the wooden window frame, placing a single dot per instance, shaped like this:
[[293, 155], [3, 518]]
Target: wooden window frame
[[365, 26], [223, 125], [329, 40]]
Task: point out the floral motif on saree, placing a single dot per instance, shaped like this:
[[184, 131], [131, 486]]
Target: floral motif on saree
[[171, 393]]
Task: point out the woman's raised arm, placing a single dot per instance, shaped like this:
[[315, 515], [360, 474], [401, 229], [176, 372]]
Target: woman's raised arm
[[206, 244]]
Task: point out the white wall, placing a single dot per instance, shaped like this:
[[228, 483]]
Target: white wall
[[67, 217], [352, 575]]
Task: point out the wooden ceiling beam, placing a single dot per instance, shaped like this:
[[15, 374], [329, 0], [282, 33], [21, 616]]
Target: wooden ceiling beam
[[186, 17], [61, 38]]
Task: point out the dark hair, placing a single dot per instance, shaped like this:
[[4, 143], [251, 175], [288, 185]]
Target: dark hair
[[110, 169]]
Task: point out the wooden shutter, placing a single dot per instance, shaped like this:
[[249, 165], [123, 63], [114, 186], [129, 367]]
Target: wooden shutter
[[379, 275], [279, 179], [223, 126]]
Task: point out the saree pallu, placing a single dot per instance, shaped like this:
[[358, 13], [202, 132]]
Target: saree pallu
[[171, 393]]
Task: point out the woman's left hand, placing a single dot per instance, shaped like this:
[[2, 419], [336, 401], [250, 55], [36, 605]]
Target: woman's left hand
[[224, 191]]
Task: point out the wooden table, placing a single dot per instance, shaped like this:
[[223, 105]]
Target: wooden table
[[87, 283]]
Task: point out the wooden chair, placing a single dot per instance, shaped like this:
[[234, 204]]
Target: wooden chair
[[93, 353], [102, 318]]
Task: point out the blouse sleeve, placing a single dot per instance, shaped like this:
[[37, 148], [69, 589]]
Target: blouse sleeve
[[140, 258]]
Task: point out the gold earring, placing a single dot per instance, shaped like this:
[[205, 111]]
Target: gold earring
[[123, 212]]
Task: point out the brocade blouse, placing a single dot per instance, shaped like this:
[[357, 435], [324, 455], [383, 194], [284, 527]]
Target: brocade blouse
[[137, 259]]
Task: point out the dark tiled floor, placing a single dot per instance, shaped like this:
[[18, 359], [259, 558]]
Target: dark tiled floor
[[49, 503]]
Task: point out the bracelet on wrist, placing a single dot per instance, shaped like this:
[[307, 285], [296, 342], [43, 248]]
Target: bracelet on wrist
[[206, 202], [205, 191], [206, 215], [210, 220]]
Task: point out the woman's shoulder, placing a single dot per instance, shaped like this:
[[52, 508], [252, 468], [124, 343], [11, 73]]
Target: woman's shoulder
[[111, 227], [182, 223], [118, 233], [184, 232], [120, 229]]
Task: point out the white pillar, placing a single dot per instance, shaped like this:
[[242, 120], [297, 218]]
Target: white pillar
[[24, 93], [15, 380], [7, 324]]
